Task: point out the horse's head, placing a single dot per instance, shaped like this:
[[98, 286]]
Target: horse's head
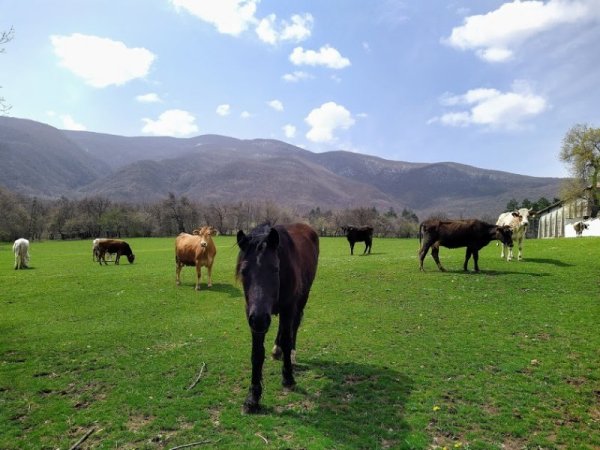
[[258, 269]]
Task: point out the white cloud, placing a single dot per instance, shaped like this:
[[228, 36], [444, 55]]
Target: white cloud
[[173, 122], [298, 30], [151, 97], [245, 115], [490, 107], [296, 76], [100, 61], [326, 56], [276, 105], [325, 120], [493, 36], [289, 131], [223, 110], [70, 124], [229, 16]]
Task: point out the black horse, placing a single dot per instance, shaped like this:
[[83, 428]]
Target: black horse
[[277, 266]]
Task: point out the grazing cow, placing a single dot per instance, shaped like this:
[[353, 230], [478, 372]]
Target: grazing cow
[[197, 249], [359, 234], [116, 246], [579, 227], [473, 234], [518, 221], [21, 251]]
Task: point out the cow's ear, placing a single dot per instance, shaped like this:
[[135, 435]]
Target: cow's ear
[[242, 240], [273, 239]]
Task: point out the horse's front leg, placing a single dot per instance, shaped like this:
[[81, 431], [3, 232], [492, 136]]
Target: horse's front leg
[[286, 342], [251, 405]]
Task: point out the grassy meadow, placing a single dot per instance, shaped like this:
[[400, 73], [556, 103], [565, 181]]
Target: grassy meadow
[[388, 357]]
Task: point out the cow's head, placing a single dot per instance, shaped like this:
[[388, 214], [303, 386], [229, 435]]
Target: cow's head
[[504, 235], [204, 234], [131, 258], [525, 214]]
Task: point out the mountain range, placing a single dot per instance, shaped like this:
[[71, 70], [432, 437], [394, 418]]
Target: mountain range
[[39, 160]]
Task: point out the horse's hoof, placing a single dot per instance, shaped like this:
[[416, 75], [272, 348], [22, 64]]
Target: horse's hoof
[[250, 408], [288, 384], [277, 353]]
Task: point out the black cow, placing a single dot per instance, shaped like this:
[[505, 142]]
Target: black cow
[[473, 234], [359, 234], [114, 246]]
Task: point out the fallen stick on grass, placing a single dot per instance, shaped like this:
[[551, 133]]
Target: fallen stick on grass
[[193, 443], [197, 378], [80, 441]]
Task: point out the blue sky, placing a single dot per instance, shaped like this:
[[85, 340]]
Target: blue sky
[[491, 84]]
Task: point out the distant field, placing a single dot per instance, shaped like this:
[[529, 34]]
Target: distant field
[[388, 357]]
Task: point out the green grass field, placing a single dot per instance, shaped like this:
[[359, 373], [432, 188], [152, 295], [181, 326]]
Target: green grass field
[[388, 357]]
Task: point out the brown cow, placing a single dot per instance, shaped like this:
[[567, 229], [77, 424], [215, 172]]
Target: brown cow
[[195, 250], [473, 234], [115, 246]]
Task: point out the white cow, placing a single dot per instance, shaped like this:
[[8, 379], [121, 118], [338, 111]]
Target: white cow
[[579, 227], [96, 250], [518, 222], [21, 251]]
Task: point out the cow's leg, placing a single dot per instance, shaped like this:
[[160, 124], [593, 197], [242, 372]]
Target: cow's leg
[[118, 257], [198, 276], [209, 270], [510, 253], [520, 256], [503, 254], [476, 259], [435, 251], [468, 254], [423, 253], [352, 248], [178, 267], [251, 405], [367, 246]]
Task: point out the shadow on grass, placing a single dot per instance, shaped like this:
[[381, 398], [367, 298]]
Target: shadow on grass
[[489, 272], [553, 262], [359, 406]]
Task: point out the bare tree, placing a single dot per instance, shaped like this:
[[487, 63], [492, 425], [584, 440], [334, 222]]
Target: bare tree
[[5, 36], [581, 151]]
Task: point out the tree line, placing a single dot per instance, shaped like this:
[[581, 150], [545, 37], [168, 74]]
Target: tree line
[[93, 217]]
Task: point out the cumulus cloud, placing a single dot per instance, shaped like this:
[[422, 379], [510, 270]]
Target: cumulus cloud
[[68, 123], [100, 61], [491, 107], [299, 29], [223, 110], [151, 97], [296, 76], [276, 105], [289, 131], [173, 122], [326, 56], [325, 120], [245, 115], [494, 36], [229, 16]]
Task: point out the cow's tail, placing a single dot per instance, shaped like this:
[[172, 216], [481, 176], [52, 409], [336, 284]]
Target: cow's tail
[[421, 228]]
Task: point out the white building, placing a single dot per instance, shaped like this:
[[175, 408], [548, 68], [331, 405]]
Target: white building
[[557, 220]]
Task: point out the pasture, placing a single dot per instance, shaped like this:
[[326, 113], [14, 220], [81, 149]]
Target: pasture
[[388, 357]]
